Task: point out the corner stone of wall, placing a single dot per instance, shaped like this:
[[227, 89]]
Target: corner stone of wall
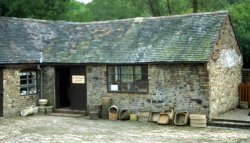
[[225, 73]]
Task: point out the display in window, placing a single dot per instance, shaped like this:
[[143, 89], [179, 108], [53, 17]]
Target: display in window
[[128, 79], [28, 83], [114, 87]]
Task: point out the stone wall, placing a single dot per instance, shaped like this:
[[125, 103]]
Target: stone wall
[[13, 101], [96, 84], [174, 85], [49, 84], [224, 73]]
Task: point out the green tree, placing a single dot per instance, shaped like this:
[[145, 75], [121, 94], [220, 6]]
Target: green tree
[[78, 12], [241, 21], [115, 9], [68, 10], [3, 7]]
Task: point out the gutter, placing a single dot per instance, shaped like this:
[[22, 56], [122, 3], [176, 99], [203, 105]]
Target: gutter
[[41, 74]]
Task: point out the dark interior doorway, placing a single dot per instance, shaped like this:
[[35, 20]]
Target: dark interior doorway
[[62, 81], [71, 88], [1, 92]]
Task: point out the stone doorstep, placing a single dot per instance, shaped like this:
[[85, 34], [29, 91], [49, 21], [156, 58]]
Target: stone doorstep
[[69, 111], [230, 123], [66, 114]]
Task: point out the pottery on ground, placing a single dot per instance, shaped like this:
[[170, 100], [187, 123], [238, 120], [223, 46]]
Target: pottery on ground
[[43, 102]]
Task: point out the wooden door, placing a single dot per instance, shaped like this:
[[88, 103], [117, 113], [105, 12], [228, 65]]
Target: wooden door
[[1, 92], [77, 91]]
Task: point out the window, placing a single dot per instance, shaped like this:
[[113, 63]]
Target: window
[[128, 79], [28, 83]]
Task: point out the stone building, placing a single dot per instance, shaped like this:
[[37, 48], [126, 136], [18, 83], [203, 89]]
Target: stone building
[[186, 62]]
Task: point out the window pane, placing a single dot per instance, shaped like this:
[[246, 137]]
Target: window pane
[[129, 87], [127, 78], [144, 70], [141, 79], [29, 74], [113, 78], [32, 81], [31, 90], [23, 82], [22, 76], [126, 69], [23, 91], [141, 87], [113, 70], [33, 74], [138, 76], [138, 70]]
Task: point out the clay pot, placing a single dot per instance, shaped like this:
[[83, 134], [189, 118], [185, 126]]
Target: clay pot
[[43, 102]]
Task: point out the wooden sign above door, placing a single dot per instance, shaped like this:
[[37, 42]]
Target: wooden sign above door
[[78, 79]]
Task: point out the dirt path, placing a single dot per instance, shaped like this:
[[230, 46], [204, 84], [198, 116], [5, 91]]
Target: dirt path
[[45, 129]]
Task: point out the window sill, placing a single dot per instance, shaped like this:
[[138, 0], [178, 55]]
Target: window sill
[[33, 94], [127, 92]]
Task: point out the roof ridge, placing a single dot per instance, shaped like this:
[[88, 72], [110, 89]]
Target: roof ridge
[[135, 19]]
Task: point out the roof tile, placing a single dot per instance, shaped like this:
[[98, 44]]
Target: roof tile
[[183, 38]]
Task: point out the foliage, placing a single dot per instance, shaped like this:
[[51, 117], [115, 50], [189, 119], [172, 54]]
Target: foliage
[[241, 22], [68, 10], [115, 9]]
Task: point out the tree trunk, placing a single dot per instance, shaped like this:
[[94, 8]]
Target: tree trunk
[[195, 6], [154, 7], [169, 8]]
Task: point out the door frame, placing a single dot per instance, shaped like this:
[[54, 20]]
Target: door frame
[[57, 86]]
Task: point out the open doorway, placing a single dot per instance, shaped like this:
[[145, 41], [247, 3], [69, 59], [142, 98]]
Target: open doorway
[[62, 81], [71, 88]]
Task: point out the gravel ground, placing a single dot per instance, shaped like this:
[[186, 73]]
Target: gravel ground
[[45, 129]]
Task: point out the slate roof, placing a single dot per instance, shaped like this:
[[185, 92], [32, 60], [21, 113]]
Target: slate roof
[[182, 38]]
